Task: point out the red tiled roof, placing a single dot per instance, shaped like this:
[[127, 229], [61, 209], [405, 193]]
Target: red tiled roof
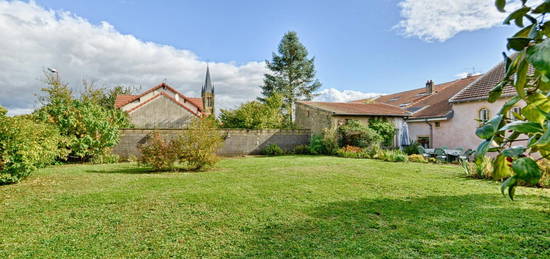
[[438, 105], [372, 109], [480, 89], [197, 102], [122, 100]]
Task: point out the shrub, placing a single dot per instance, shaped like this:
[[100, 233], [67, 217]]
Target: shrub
[[324, 144], [352, 152], [392, 156], [481, 168], [417, 158], [90, 124], [196, 146], [353, 133], [158, 153], [301, 150], [273, 150], [107, 158], [25, 146], [385, 129], [412, 148], [544, 165]]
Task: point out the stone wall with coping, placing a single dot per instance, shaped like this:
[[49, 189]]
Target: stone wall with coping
[[237, 141]]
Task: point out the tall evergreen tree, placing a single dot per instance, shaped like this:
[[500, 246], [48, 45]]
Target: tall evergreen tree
[[292, 73]]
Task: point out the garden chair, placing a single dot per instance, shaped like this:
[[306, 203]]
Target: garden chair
[[422, 151], [466, 155], [440, 154]]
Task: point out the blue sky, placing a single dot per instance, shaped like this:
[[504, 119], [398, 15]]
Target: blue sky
[[356, 44]]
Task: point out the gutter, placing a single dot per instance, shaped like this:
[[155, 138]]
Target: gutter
[[430, 143]]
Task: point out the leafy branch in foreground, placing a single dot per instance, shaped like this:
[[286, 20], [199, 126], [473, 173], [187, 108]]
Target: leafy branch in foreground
[[528, 71]]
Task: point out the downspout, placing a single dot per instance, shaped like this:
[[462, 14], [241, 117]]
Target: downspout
[[430, 143]]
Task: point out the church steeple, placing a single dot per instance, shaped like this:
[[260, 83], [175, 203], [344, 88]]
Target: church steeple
[[207, 93]]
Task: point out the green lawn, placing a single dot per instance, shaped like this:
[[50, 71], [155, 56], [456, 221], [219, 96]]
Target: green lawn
[[270, 207]]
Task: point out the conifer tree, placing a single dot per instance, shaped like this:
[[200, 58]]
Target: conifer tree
[[292, 74]]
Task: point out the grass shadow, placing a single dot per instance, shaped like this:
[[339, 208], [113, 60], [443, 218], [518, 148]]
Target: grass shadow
[[477, 225]]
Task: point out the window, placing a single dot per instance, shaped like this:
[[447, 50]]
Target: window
[[512, 111], [308, 114], [437, 124], [423, 141], [483, 115]]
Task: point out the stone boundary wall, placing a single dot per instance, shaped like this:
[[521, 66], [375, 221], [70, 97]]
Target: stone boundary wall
[[237, 141]]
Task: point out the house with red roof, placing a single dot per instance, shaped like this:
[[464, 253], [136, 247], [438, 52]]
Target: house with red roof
[[318, 116], [431, 115], [165, 107], [437, 115]]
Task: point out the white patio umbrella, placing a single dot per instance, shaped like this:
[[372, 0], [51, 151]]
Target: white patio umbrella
[[405, 141]]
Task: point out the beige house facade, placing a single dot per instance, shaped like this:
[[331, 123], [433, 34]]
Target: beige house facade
[[164, 107]]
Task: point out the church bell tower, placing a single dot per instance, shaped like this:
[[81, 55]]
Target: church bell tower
[[207, 94]]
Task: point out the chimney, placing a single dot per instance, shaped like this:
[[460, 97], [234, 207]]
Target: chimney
[[429, 87]]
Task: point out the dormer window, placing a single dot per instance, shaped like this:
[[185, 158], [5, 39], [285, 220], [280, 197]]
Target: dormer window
[[394, 99]]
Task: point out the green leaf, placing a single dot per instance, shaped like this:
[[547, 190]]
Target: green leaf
[[514, 151], [482, 149], [509, 104], [523, 127], [521, 78], [542, 8], [496, 92], [500, 5], [545, 138], [526, 169], [518, 43], [517, 15], [501, 168], [512, 191], [509, 183], [539, 57], [489, 128]]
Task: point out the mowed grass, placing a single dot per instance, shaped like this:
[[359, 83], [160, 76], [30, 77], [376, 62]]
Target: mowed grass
[[291, 206]]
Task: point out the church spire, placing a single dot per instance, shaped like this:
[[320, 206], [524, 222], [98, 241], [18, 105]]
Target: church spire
[[208, 93], [207, 87]]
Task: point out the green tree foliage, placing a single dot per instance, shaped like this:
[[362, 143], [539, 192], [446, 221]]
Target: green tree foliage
[[384, 129], [90, 128], [354, 133], [255, 115], [501, 134], [3, 111], [25, 146], [292, 73]]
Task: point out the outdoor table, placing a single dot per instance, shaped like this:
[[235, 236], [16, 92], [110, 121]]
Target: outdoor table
[[449, 152]]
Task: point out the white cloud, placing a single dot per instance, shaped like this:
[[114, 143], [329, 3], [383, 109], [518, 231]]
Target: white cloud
[[34, 38], [440, 20], [335, 95]]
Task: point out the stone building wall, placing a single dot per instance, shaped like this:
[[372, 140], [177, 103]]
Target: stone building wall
[[308, 117], [161, 113], [237, 142]]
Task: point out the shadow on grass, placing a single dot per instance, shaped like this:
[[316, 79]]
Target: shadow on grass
[[130, 170], [479, 225]]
